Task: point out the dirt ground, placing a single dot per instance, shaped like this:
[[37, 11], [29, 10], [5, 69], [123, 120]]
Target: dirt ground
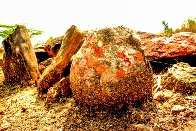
[[22, 110]]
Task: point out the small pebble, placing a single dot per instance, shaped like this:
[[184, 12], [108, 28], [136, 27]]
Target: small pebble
[[177, 109]]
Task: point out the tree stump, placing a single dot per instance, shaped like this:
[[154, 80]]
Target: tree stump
[[19, 61], [72, 40]]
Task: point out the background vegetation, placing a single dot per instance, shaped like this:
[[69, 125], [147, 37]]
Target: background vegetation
[[188, 26], [5, 30]]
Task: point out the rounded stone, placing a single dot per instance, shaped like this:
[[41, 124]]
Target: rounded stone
[[110, 70]]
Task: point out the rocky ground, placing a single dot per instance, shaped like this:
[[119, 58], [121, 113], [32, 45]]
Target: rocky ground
[[21, 109]]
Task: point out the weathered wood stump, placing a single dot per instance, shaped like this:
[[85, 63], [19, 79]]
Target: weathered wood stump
[[19, 61], [72, 40]]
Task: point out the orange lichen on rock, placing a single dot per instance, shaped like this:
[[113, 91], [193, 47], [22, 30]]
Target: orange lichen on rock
[[121, 55], [120, 73], [113, 76], [104, 43], [100, 69], [98, 51], [139, 56]]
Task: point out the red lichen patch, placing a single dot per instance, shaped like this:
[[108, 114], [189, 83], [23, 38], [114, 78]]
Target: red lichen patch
[[128, 61], [104, 43], [139, 56], [98, 51], [121, 55], [100, 69], [120, 73]]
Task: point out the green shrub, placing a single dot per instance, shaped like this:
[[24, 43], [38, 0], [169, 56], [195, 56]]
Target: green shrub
[[5, 30], [167, 30], [188, 26]]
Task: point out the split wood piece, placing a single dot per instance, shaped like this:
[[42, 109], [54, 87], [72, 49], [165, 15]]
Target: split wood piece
[[72, 40]]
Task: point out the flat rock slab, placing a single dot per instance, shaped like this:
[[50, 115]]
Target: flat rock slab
[[168, 46]]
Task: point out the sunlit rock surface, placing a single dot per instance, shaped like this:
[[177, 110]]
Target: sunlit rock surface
[[110, 69], [180, 78], [19, 61], [73, 39], [53, 45], [168, 46]]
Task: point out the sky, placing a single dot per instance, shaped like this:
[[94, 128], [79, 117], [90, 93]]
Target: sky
[[54, 17]]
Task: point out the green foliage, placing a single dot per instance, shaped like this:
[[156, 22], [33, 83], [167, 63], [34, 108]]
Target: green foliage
[[50, 38], [167, 30], [5, 30], [33, 32], [188, 26]]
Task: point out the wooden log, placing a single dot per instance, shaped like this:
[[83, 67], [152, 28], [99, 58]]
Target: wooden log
[[72, 40], [19, 63]]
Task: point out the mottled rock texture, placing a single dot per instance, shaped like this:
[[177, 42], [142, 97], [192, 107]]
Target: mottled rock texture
[[110, 69], [19, 62]]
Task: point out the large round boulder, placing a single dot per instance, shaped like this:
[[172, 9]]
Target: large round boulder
[[110, 70]]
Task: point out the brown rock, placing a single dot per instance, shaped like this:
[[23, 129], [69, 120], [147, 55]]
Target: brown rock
[[53, 73], [52, 95], [180, 78], [40, 53], [163, 95], [169, 46], [44, 64], [177, 109], [140, 127], [190, 98], [19, 62], [190, 126], [64, 86], [52, 46], [1, 56], [60, 89], [110, 69]]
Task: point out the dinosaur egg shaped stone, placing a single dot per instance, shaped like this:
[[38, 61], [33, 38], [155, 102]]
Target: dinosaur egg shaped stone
[[110, 69]]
